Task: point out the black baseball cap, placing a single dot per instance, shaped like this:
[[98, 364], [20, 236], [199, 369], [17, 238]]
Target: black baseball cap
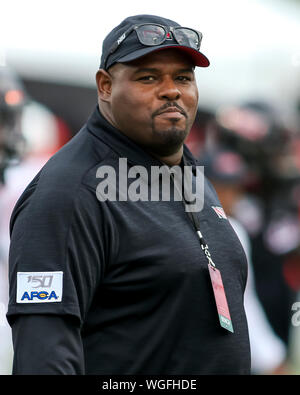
[[131, 48]]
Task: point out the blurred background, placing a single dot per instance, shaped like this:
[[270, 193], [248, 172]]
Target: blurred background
[[246, 133]]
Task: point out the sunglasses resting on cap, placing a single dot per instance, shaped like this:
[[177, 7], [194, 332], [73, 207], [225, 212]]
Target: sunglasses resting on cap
[[140, 35]]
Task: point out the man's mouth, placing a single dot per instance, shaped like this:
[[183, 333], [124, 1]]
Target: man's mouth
[[169, 111]]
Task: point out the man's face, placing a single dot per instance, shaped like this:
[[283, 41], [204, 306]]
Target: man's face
[[154, 100]]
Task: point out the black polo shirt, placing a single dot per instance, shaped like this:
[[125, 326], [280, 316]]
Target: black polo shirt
[[132, 274]]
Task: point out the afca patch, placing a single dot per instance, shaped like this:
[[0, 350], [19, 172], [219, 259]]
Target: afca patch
[[39, 287]]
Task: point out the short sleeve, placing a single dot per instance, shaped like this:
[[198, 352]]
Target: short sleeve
[[58, 251]]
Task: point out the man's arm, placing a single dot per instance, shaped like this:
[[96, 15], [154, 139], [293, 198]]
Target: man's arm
[[61, 242], [51, 343]]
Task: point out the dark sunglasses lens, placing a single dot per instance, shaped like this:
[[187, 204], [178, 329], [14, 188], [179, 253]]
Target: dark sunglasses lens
[[150, 34], [187, 37]]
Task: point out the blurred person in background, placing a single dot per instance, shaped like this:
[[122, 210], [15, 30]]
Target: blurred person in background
[[12, 101], [29, 135], [266, 203], [268, 211], [292, 262], [198, 139]]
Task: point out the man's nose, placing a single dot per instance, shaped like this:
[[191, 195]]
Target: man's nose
[[168, 90]]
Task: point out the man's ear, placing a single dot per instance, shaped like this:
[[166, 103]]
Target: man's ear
[[104, 83]]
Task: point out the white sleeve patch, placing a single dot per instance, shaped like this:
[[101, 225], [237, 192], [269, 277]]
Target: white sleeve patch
[[39, 287]]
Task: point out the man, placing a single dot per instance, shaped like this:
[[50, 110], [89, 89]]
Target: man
[[117, 286]]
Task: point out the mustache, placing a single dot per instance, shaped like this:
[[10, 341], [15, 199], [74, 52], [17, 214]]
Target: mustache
[[166, 106]]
